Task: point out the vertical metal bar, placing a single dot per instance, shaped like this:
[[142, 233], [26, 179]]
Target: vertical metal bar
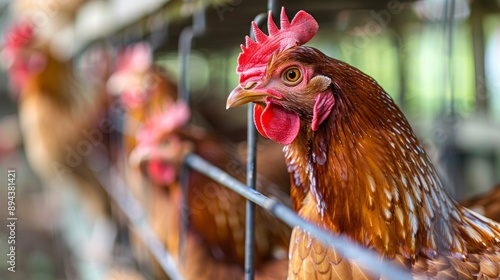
[[250, 206], [251, 180], [449, 152], [184, 212], [185, 41], [159, 32], [450, 22], [273, 5], [476, 19], [448, 86], [252, 171]]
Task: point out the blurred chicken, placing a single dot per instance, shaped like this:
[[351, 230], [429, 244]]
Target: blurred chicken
[[56, 21], [487, 204], [214, 245], [146, 90], [51, 8], [63, 123], [143, 90], [357, 167]]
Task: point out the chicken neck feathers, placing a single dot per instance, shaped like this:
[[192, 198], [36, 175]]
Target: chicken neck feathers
[[364, 174]]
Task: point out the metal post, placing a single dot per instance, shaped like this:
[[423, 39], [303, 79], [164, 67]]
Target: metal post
[[250, 206], [449, 23], [251, 180], [159, 32], [476, 19], [186, 38], [260, 20]]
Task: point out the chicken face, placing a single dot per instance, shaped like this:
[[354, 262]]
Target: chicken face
[[290, 91], [21, 61], [280, 76], [24, 66], [160, 151], [162, 162], [131, 78]]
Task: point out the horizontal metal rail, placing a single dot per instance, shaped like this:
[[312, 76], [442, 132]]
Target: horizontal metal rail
[[347, 248], [128, 204]]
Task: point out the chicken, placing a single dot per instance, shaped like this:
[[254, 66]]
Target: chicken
[[144, 89], [63, 123], [214, 243], [356, 166], [487, 204]]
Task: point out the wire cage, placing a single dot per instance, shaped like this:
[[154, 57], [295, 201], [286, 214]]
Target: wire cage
[[185, 38], [126, 201]]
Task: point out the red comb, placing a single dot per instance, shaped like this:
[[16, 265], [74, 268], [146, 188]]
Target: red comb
[[135, 58], [253, 59], [19, 35], [175, 116]]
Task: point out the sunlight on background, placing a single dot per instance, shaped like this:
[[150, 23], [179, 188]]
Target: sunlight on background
[[492, 59]]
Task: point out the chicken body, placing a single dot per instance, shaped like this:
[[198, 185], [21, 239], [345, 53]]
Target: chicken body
[[356, 166], [214, 243], [63, 122]]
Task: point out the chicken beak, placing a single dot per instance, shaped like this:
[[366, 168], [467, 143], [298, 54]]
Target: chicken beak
[[240, 96]]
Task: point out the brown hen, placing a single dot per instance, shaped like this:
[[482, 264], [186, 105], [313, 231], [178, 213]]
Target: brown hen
[[63, 121], [144, 89], [356, 166], [486, 204], [214, 244]]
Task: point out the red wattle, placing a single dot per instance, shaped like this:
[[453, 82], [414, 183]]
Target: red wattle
[[257, 114], [276, 123], [161, 172]]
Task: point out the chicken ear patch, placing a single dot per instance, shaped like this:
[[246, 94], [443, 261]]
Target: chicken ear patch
[[276, 123], [322, 108]]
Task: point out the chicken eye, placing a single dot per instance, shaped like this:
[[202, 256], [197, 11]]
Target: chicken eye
[[292, 76]]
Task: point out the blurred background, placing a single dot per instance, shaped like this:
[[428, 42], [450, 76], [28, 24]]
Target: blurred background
[[438, 59]]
